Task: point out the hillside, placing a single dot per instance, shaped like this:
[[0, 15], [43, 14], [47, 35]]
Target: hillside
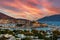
[[4, 16], [51, 18]]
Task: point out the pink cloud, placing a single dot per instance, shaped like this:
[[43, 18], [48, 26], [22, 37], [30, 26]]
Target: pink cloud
[[30, 9]]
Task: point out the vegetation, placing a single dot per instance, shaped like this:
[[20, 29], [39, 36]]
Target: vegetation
[[41, 34], [26, 38]]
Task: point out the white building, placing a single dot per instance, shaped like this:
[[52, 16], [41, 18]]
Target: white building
[[7, 25], [21, 35], [10, 37]]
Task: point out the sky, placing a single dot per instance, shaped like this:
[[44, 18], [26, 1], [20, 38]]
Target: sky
[[30, 9]]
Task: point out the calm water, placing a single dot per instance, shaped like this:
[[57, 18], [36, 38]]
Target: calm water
[[56, 23], [43, 28], [31, 28]]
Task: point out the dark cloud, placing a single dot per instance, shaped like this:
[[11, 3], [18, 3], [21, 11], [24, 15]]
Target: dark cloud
[[28, 2], [23, 0], [33, 4], [7, 0], [10, 8], [56, 3]]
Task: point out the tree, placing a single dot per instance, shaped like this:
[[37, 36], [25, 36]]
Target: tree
[[35, 32], [3, 38], [19, 25], [26, 38], [55, 34]]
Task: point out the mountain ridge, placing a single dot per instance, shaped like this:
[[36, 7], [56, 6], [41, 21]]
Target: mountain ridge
[[4, 16], [51, 18]]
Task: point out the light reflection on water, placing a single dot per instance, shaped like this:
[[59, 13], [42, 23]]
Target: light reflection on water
[[56, 23], [46, 28]]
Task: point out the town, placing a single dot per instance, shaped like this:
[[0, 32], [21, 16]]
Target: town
[[20, 23], [21, 29]]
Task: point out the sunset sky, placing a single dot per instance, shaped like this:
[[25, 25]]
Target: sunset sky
[[30, 9]]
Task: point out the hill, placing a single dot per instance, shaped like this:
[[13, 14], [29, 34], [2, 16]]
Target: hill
[[51, 18], [4, 16]]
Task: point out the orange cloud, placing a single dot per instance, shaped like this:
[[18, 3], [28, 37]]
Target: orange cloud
[[28, 9]]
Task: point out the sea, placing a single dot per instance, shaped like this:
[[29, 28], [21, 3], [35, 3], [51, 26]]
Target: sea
[[56, 23]]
